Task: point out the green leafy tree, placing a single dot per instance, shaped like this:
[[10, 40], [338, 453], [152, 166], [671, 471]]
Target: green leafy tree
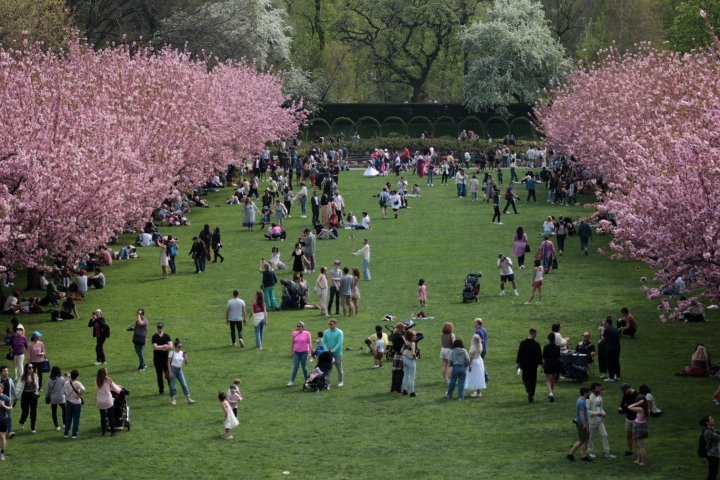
[[689, 29], [402, 39], [511, 56]]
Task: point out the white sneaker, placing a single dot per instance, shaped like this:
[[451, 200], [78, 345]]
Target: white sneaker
[[376, 366], [290, 384], [499, 223], [340, 384], [516, 293], [528, 303], [229, 437], [2, 456], [502, 294], [57, 428], [97, 363]]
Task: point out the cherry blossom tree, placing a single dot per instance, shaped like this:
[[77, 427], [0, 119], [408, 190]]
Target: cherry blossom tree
[[648, 124], [93, 140]]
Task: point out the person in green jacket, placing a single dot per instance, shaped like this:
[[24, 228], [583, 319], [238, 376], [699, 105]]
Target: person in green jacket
[[585, 233], [333, 342]]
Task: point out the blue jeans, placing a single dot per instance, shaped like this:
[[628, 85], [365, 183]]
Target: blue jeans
[[269, 293], [139, 350], [366, 269], [430, 176], [72, 416], [303, 205], [459, 372], [299, 358], [513, 176], [259, 334], [177, 374], [9, 421], [201, 263], [409, 366], [171, 264], [584, 244], [459, 189]]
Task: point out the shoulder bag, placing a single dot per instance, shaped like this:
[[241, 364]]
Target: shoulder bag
[[82, 400], [554, 263]]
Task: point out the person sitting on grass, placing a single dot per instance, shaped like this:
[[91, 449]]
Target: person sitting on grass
[[699, 364]]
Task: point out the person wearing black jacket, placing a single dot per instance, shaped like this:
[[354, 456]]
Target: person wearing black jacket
[[199, 254], [629, 397], [552, 365], [611, 338], [101, 332], [217, 245], [206, 238], [496, 205], [397, 340], [529, 357]]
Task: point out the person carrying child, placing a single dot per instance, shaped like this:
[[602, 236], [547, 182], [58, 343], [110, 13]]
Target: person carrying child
[[230, 420], [377, 343]]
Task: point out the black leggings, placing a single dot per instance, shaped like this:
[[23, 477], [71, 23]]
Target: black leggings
[[497, 213], [28, 404], [531, 193], [561, 241], [236, 326], [53, 408], [521, 260], [713, 463], [107, 413], [216, 251], [444, 178], [38, 372]]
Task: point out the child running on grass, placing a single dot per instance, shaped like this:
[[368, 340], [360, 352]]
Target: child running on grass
[[422, 293], [230, 421]]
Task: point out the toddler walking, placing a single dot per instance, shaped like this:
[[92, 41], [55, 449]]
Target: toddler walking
[[422, 293]]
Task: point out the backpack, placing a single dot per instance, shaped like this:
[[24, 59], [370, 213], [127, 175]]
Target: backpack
[[561, 229], [702, 446], [507, 194], [173, 250]]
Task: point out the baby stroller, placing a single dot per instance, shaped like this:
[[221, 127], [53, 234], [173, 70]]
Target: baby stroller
[[575, 366], [472, 287], [121, 410], [319, 378], [390, 351]]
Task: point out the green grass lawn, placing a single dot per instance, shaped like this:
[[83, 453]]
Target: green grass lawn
[[361, 430]]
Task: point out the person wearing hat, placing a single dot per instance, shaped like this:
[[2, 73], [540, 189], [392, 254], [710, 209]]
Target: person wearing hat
[[161, 344], [81, 280], [335, 275], [36, 352], [101, 332], [510, 196], [12, 304], [18, 344], [301, 346]]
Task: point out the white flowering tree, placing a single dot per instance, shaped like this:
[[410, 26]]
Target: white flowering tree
[[511, 56], [232, 29]]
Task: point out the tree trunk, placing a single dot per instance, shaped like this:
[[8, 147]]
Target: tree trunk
[[33, 279], [417, 92], [318, 25]]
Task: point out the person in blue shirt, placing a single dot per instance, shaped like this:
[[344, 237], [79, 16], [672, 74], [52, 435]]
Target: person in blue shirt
[[5, 407], [582, 422], [332, 341]]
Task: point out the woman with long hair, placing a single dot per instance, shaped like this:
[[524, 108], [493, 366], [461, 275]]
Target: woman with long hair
[[475, 379], [73, 390], [54, 395], [249, 210], [355, 295], [699, 363], [547, 252], [29, 389], [521, 240], [409, 363], [177, 359], [711, 436], [321, 284], [640, 429], [398, 340], [446, 345], [164, 256], [104, 401], [459, 361], [297, 257], [260, 318], [36, 351], [551, 365]]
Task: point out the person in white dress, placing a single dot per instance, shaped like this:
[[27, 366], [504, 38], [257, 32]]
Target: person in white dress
[[230, 421], [475, 379]]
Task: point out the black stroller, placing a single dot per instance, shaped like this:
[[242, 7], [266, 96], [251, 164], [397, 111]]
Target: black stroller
[[319, 378], [575, 366], [121, 410], [472, 287], [390, 351]]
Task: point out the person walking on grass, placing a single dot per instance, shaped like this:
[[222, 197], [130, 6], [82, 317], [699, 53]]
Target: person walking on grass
[[54, 395], [300, 348], [496, 205], [162, 345], [5, 408], [29, 392], [236, 316], [510, 196], [585, 234], [260, 318], [332, 342], [177, 359], [537, 282], [459, 361], [529, 357], [506, 274], [268, 283], [101, 332], [216, 245], [597, 421], [365, 252], [140, 337], [582, 423], [551, 365], [10, 391], [105, 388]]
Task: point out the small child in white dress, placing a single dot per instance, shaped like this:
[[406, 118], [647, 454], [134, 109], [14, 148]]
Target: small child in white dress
[[230, 421]]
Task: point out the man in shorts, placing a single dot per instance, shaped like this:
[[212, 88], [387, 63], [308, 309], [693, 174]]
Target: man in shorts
[[582, 422], [5, 407], [395, 202], [506, 274], [629, 397]]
